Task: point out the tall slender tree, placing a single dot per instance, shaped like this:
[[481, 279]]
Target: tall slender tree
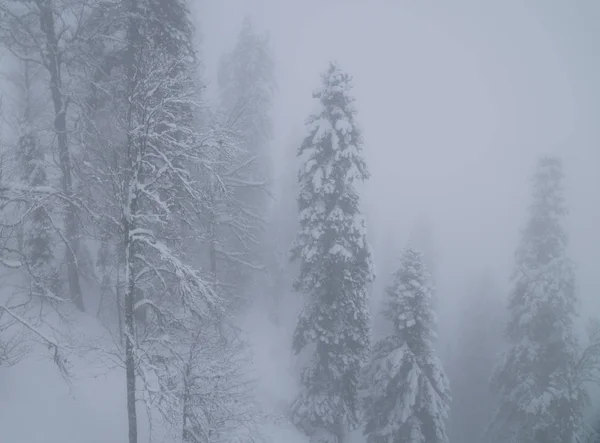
[[144, 154], [46, 32], [408, 396], [159, 192], [246, 86], [539, 399], [335, 264], [232, 227]]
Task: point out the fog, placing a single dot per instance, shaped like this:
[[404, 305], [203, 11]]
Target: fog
[[197, 323], [456, 101]]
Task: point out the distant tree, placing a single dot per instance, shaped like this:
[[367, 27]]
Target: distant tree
[[540, 400], [47, 33], [35, 233], [232, 229], [22, 316], [588, 371], [335, 266], [247, 86], [408, 396], [478, 342], [282, 227], [422, 238]]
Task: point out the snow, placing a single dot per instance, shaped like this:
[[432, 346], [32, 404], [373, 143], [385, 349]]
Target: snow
[[57, 411], [10, 263], [38, 406], [323, 129], [404, 363], [326, 189], [91, 410], [340, 250], [318, 178]]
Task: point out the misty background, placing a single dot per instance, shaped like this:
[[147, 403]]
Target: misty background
[[457, 101]]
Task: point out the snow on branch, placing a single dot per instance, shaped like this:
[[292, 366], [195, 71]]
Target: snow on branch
[[60, 361]]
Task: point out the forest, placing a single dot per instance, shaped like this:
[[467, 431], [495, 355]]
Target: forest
[[309, 222]]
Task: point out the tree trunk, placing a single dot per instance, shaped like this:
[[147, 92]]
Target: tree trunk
[[341, 432], [130, 211], [130, 291], [53, 64], [118, 296], [187, 403], [129, 338]]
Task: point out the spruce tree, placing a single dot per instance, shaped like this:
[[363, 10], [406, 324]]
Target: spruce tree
[[335, 266], [539, 401], [408, 393]]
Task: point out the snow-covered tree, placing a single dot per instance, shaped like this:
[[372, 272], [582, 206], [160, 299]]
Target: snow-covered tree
[[540, 400], [335, 265], [35, 233], [46, 33], [159, 195], [422, 238], [144, 154], [588, 373], [26, 165], [217, 393], [22, 316], [158, 182], [231, 227], [408, 395]]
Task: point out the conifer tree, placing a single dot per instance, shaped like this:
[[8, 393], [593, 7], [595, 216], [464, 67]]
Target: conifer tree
[[539, 401], [335, 266], [408, 393]]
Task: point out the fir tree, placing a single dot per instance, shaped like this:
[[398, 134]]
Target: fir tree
[[539, 401], [409, 396], [335, 265]]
